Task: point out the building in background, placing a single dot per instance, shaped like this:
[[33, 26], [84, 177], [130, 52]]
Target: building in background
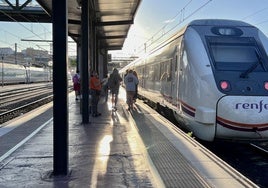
[[27, 57]]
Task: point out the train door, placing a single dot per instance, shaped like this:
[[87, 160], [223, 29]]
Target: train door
[[175, 82], [165, 80], [142, 80], [179, 73], [27, 73]]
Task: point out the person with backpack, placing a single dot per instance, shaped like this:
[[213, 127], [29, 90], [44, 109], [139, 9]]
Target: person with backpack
[[114, 84], [131, 82], [136, 90], [76, 85]]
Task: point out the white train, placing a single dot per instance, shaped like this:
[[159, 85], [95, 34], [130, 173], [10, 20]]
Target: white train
[[213, 76], [17, 74]]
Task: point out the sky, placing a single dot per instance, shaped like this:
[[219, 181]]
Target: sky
[[154, 21], [157, 20]]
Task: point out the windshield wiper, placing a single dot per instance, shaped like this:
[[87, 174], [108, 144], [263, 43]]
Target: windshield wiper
[[252, 67]]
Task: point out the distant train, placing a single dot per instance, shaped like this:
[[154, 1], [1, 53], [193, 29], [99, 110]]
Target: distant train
[[17, 74], [213, 77]]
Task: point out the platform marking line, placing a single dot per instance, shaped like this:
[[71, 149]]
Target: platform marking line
[[24, 140], [157, 180]]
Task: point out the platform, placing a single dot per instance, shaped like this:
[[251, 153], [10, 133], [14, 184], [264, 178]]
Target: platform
[[116, 149]]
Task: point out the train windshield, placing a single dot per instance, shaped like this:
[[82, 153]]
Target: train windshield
[[236, 54]]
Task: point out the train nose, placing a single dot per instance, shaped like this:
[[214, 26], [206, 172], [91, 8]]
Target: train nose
[[242, 117]]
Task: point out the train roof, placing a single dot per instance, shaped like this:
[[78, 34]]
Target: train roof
[[219, 22], [208, 22], [200, 22]]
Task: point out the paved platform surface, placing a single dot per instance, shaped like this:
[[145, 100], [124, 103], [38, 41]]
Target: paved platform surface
[[107, 152], [117, 149]]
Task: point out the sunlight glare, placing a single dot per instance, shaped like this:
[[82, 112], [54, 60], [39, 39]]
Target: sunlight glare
[[100, 166], [104, 148]]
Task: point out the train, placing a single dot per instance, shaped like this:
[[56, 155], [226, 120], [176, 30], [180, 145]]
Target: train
[[19, 74], [212, 76]]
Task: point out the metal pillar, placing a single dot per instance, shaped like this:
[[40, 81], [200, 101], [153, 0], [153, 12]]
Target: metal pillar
[[94, 51], [60, 97], [97, 60], [78, 56], [85, 62], [105, 62]]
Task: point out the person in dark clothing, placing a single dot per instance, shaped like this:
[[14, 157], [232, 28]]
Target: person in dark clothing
[[114, 84], [136, 92]]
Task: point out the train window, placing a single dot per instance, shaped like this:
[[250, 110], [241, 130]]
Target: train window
[[151, 73], [234, 55], [176, 63], [184, 58]]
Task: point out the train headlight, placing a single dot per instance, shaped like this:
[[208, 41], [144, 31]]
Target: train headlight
[[225, 85], [230, 31], [266, 85]]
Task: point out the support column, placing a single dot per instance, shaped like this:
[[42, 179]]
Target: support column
[[85, 61], [60, 90], [94, 49], [105, 62], [78, 56]]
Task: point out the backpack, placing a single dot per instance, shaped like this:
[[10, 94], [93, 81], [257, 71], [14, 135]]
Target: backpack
[[75, 79], [111, 82]]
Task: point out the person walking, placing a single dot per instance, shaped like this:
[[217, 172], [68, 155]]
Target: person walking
[[130, 81], [136, 91], [114, 84], [95, 89], [76, 85]]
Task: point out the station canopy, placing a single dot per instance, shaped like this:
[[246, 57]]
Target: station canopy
[[112, 18]]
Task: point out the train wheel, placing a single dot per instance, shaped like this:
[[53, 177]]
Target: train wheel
[[160, 109]]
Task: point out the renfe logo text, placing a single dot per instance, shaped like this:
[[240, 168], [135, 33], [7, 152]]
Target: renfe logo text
[[252, 106]]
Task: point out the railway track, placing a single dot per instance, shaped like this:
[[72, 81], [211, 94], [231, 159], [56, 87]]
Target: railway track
[[261, 147], [22, 109], [15, 98], [19, 101]]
